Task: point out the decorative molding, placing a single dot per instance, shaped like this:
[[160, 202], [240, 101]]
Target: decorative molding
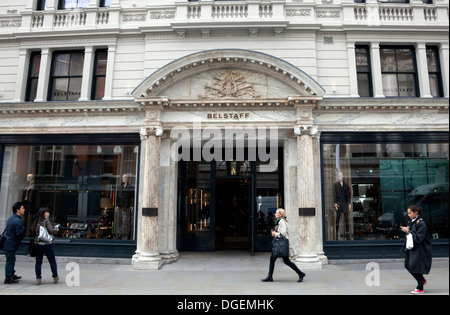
[[133, 17], [328, 14], [229, 84], [298, 12], [157, 15], [10, 23]]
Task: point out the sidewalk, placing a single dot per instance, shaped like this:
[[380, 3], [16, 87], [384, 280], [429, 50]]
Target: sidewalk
[[221, 273]]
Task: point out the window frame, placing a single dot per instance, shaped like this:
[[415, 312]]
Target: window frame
[[368, 72], [437, 73], [398, 72], [30, 77], [95, 74], [53, 77]]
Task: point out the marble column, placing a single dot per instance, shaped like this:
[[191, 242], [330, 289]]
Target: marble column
[[307, 258], [148, 256]]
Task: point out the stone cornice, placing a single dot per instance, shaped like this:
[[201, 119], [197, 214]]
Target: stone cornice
[[131, 107], [383, 104], [70, 108]]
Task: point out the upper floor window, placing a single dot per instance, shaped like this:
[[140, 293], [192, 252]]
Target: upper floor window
[[434, 72], [363, 71], [66, 76], [105, 3], [41, 5], [99, 76], [33, 76], [398, 70], [73, 4]]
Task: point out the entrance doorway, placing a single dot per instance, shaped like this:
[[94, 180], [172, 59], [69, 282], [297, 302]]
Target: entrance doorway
[[233, 207], [227, 205]]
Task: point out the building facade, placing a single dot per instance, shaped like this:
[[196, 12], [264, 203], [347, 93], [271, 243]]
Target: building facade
[[150, 128]]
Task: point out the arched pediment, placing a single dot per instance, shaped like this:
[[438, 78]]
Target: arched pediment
[[230, 74]]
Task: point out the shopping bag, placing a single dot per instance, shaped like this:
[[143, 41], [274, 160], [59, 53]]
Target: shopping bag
[[280, 247], [44, 236], [409, 241]]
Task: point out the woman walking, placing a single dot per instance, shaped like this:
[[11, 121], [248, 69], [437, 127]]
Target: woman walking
[[418, 259], [282, 230], [42, 248]]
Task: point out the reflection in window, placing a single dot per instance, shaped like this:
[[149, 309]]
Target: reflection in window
[[363, 71], [398, 72], [98, 88], [66, 76], [33, 76], [90, 189], [383, 180], [73, 4], [434, 72]]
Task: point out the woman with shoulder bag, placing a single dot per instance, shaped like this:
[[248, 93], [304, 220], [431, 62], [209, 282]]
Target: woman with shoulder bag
[[281, 230], [44, 247], [418, 258]]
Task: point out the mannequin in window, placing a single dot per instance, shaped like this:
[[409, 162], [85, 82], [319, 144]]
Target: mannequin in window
[[123, 216], [342, 197], [28, 197]]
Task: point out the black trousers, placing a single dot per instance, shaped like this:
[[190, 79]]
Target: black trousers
[[286, 261], [46, 250], [338, 218], [420, 279]]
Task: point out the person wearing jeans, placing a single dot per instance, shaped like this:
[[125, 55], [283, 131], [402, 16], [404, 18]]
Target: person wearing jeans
[[42, 248], [13, 236]]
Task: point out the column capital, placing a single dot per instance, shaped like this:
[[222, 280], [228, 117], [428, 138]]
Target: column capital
[[306, 130], [156, 130]]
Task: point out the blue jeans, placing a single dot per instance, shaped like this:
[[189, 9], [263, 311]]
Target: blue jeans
[[46, 250], [10, 263]]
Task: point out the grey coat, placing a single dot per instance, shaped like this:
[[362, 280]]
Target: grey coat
[[282, 230], [418, 259]]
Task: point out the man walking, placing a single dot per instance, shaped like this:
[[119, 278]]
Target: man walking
[[14, 234]]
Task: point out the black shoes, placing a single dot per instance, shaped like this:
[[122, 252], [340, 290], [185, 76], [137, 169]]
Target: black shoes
[[267, 279], [270, 279], [13, 279], [10, 281], [301, 276]]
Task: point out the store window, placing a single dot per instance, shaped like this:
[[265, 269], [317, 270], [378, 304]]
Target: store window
[[66, 76], [369, 186], [363, 71], [398, 69], [90, 189], [98, 82], [33, 76]]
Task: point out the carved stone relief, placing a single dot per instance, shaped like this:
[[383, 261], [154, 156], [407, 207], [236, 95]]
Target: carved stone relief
[[229, 84]]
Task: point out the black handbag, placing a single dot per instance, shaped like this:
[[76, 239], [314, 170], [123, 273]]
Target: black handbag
[[280, 247]]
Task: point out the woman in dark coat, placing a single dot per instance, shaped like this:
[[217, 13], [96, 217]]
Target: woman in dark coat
[[418, 259]]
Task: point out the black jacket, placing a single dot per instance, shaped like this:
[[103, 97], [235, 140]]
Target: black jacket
[[418, 259]]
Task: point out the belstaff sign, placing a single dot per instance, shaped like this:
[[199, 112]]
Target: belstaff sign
[[229, 115]]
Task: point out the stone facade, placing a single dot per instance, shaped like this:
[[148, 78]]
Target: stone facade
[[289, 64]]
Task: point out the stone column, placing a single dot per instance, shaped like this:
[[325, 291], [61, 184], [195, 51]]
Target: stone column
[[148, 256], [307, 258]]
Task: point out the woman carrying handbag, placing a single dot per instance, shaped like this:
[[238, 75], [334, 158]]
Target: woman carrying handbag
[[280, 231], [418, 257], [43, 230]]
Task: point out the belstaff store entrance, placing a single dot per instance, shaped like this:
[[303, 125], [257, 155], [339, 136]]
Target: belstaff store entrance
[[228, 205]]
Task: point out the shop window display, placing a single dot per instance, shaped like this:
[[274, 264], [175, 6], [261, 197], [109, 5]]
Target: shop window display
[[90, 189], [368, 188]]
